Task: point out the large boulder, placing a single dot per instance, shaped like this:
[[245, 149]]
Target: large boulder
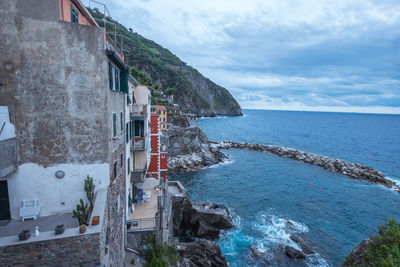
[[293, 253], [304, 248], [202, 253], [204, 220]]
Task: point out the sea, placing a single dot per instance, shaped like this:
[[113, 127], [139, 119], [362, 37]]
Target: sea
[[272, 198]]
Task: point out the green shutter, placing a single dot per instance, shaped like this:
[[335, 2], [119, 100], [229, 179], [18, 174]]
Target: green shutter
[[124, 82], [121, 117], [130, 130], [114, 124], [116, 79], [110, 74], [127, 132]]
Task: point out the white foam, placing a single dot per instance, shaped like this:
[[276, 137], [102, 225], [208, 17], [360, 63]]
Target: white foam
[[225, 162]]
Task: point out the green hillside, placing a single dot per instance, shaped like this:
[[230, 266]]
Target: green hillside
[[191, 90]]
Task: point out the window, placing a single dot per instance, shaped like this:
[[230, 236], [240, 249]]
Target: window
[[122, 160], [111, 75], [129, 165], [163, 156], [115, 170], [74, 15], [127, 132], [114, 121], [116, 71], [121, 117]]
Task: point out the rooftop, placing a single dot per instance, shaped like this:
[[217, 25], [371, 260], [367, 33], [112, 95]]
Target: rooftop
[[9, 230]]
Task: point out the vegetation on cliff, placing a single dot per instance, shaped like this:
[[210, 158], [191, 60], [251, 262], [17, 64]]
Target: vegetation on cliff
[[191, 90], [381, 250]]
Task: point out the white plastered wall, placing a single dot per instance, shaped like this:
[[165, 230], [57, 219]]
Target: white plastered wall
[[55, 195]]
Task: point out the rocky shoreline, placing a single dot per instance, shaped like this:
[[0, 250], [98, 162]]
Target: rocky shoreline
[[353, 170], [196, 225], [188, 149]]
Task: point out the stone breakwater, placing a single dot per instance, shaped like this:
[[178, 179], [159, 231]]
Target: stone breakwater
[[195, 161], [353, 170]]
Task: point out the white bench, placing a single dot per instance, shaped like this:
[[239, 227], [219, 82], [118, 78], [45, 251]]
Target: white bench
[[29, 209]]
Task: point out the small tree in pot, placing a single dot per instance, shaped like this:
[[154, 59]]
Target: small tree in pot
[[89, 189]]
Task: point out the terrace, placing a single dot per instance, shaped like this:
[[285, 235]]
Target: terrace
[[9, 230], [146, 215]]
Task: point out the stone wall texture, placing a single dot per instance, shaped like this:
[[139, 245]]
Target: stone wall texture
[[8, 156], [55, 76], [71, 251]]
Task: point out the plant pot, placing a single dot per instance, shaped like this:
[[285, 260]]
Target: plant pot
[[95, 220], [82, 231], [59, 229], [24, 235]]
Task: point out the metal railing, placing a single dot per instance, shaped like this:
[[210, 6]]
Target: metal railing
[[111, 36], [137, 175], [144, 224]]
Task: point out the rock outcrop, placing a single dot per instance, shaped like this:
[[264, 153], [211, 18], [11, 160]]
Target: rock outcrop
[[202, 253], [200, 220], [355, 257], [353, 170], [293, 253], [304, 248], [188, 149]]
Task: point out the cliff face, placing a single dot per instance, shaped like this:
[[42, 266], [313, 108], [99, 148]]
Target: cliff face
[[191, 90], [188, 149]]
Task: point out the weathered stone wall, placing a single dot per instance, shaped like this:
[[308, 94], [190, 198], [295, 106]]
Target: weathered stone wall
[[8, 156], [117, 198], [55, 76], [71, 251]]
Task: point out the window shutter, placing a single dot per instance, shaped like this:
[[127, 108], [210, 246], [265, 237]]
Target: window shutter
[[114, 124], [110, 74], [121, 117], [124, 82], [127, 132], [116, 79]]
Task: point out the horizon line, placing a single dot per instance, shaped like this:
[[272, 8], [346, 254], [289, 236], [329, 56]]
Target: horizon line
[[327, 111]]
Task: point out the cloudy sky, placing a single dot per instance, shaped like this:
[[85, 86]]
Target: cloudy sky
[[341, 55]]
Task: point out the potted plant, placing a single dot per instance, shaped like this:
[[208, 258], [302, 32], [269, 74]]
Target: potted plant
[[81, 213], [82, 228], [24, 235], [59, 229], [89, 189], [95, 220]]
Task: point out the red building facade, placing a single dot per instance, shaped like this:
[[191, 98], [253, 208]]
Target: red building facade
[[158, 165]]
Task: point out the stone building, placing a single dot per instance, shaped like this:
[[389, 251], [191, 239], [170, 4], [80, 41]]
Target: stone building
[[67, 86]]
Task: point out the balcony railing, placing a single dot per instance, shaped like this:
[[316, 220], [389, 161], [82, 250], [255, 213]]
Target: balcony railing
[[137, 175], [144, 224], [138, 144], [139, 111]]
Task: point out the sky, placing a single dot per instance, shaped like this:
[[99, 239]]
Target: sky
[[316, 55]]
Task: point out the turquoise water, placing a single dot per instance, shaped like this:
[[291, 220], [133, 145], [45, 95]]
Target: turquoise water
[[331, 212]]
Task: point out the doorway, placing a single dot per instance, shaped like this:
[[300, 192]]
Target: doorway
[[4, 201]]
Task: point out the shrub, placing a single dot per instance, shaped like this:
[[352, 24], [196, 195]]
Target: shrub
[[160, 256], [384, 248]]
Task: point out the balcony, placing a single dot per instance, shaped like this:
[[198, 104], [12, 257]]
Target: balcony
[[146, 216], [138, 144], [139, 112], [137, 175]]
